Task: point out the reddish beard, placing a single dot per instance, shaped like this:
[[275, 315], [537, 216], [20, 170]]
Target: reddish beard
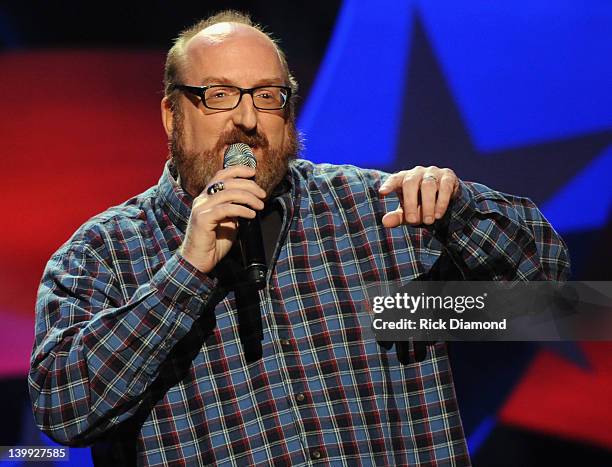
[[196, 169]]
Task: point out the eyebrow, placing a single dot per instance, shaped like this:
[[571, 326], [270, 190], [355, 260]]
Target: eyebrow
[[210, 80]]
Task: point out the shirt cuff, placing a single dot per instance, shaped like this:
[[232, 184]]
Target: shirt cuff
[[180, 284], [484, 234], [460, 211]]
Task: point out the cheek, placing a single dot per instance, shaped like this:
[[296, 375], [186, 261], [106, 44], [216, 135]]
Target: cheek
[[200, 133], [276, 131]]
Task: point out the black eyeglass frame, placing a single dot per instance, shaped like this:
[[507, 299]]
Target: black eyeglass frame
[[201, 90]]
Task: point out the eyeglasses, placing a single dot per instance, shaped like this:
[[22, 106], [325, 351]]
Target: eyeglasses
[[223, 97]]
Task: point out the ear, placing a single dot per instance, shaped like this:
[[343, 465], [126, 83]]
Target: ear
[[167, 116]]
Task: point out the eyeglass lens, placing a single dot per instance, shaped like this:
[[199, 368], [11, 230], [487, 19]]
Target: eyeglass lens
[[227, 97]]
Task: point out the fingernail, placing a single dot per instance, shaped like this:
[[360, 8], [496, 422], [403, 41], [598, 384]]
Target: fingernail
[[429, 220], [412, 218]]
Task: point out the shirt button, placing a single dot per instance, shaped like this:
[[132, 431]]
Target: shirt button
[[285, 342], [315, 454], [300, 397]]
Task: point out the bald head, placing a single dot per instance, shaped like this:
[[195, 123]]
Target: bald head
[[231, 31], [225, 44], [222, 31]]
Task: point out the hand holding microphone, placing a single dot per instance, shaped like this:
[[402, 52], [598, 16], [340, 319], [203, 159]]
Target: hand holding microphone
[[212, 226]]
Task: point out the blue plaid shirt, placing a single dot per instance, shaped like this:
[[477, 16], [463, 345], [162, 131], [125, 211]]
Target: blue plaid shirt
[[126, 356]]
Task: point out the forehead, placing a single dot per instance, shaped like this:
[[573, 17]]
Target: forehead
[[233, 51]]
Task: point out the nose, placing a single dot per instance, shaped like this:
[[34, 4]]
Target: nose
[[245, 115]]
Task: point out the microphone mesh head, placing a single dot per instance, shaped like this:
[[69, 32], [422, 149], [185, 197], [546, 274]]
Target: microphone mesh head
[[239, 154]]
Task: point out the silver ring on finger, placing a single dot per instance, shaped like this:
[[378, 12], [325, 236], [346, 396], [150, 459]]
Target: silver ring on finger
[[215, 188], [430, 177]]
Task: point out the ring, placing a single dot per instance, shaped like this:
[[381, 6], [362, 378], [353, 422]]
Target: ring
[[215, 188], [430, 177]]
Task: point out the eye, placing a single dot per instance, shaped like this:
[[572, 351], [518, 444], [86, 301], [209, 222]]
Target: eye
[[219, 93], [265, 94]]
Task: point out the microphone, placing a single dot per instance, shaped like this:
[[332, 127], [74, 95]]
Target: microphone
[[250, 326], [249, 230]]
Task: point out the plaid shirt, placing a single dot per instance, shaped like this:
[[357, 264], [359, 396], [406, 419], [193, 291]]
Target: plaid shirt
[[126, 354]]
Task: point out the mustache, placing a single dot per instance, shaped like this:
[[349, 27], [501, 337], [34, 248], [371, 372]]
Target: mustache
[[236, 135]]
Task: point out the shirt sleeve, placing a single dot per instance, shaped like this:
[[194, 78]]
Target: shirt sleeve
[[491, 235], [96, 354]]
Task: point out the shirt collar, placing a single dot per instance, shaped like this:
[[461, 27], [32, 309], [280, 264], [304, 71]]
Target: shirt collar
[[175, 201]]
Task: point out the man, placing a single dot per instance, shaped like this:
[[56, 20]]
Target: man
[[137, 343]]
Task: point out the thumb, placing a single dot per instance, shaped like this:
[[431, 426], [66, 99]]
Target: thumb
[[393, 218]]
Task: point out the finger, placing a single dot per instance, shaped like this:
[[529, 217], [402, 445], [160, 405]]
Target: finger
[[235, 171], [213, 217], [396, 217], [229, 196], [244, 184], [392, 183], [227, 229], [429, 190], [410, 196], [229, 224], [445, 193]]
